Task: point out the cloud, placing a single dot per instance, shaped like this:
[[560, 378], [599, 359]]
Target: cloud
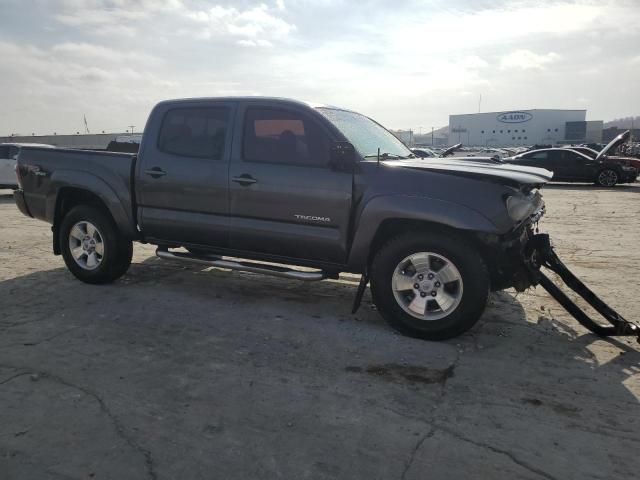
[[527, 60], [406, 63], [93, 53], [256, 26]]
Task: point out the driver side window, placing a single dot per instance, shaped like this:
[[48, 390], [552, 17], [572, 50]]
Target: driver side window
[[282, 136]]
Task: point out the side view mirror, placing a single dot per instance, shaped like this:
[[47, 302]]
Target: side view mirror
[[342, 155]]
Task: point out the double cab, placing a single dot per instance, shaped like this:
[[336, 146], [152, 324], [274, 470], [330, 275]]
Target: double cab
[[294, 189]]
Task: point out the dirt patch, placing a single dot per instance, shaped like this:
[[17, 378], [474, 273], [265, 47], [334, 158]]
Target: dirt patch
[[407, 374], [560, 408]]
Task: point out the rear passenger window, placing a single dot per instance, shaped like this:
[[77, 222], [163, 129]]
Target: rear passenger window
[[538, 156], [195, 132], [280, 136], [572, 156]]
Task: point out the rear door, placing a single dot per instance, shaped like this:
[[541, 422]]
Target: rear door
[[182, 174], [285, 200]]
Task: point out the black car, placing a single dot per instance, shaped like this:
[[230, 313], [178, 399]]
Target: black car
[[623, 160], [571, 165], [423, 152]]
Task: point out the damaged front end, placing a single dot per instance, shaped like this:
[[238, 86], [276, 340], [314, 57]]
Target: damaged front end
[[540, 253], [517, 260]]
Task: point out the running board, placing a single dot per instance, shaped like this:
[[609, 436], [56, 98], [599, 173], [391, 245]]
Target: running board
[[242, 266]]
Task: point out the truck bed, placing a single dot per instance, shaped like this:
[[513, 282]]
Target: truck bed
[[44, 172]]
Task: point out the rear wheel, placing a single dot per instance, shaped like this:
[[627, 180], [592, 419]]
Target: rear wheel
[[432, 286], [607, 178], [92, 247]]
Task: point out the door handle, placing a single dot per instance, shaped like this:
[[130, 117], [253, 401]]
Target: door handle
[[245, 180], [155, 172]]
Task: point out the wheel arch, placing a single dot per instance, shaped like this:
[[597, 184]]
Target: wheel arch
[[382, 220], [66, 200]]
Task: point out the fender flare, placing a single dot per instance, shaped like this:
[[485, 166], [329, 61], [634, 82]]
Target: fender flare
[[62, 179], [412, 208]]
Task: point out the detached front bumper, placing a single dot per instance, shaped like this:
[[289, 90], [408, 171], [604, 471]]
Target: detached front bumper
[[540, 253], [517, 259]]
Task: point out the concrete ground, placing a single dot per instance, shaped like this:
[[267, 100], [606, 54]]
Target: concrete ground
[[181, 372]]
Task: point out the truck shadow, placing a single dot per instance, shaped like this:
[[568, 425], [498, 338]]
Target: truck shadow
[[165, 336], [200, 296]]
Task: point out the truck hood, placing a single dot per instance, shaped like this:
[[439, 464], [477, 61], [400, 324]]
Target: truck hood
[[513, 175], [613, 144]]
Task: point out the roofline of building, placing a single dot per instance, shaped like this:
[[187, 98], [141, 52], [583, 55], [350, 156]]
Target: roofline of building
[[523, 110]]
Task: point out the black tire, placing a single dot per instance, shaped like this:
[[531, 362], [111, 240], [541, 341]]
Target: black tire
[[607, 177], [118, 250], [473, 271]]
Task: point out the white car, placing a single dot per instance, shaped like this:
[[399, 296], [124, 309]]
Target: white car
[[8, 153]]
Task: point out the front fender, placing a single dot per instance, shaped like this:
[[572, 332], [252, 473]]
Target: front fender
[[408, 207], [119, 208]]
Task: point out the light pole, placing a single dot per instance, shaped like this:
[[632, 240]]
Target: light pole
[[432, 136]]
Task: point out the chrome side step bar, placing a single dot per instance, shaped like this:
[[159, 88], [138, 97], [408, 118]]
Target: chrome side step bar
[[243, 266]]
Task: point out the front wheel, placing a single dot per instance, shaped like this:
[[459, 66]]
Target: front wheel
[[92, 247], [607, 178], [433, 286]]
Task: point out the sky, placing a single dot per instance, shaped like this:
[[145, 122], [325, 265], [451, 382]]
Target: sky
[[408, 64]]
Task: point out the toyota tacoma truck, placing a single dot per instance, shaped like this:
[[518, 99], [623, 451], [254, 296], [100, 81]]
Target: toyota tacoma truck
[[301, 191]]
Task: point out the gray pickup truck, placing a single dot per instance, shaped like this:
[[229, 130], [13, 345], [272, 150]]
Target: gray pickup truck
[[269, 185]]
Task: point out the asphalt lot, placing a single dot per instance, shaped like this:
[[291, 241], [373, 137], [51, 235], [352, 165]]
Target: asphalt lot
[[181, 372]]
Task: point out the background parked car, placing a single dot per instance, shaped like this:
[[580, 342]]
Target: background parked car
[[609, 152], [8, 153], [423, 152], [569, 165]]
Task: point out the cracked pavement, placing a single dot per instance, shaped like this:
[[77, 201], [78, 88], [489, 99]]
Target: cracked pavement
[[186, 372]]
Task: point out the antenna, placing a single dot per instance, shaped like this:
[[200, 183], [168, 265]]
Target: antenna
[[479, 103], [378, 156]]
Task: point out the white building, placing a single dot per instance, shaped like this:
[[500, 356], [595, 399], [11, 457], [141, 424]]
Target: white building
[[523, 127]]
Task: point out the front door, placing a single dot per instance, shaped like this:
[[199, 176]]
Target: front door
[[182, 174], [285, 200], [577, 167]]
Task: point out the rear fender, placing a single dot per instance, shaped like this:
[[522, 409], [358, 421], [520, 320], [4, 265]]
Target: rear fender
[[119, 208]]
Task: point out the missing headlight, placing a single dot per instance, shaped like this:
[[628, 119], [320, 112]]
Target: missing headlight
[[520, 207]]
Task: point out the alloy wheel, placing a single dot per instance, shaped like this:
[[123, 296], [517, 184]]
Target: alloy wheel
[[86, 245], [427, 286]]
